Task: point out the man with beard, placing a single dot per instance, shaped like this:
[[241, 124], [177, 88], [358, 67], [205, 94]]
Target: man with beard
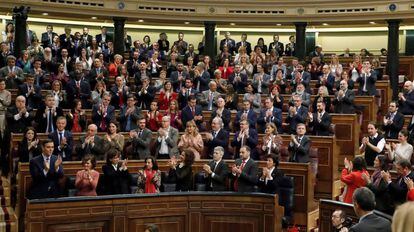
[[406, 99]]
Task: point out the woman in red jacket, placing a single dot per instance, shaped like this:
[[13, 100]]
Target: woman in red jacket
[[167, 95], [352, 176], [410, 186]]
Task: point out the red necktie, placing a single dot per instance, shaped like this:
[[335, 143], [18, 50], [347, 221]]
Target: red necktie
[[193, 111]]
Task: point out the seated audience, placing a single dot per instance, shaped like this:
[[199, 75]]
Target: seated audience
[[339, 221], [276, 98], [247, 136], [218, 137], [112, 139], [299, 145], [398, 188], [98, 92], [87, 179], [45, 170], [364, 205], [116, 178], [192, 140], [222, 112], [91, 143], [271, 175], [320, 120], [31, 92], [141, 140], [181, 171], [149, 178], [393, 121], [406, 99], [62, 139], [119, 93], [244, 172], [344, 99], [372, 145], [76, 118], [272, 142], [352, 176], [216, 171], [29, 147], [167, 138], [400, 151]]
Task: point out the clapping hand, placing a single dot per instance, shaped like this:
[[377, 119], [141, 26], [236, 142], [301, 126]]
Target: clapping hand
[[366, 178], [207, 168], [310, 115], [409, 182], [58, 162], [348, 164], [386, 176]]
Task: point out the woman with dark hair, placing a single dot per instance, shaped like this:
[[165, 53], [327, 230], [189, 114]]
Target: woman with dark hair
[[181, 170], [352, 176], [76, 118], [87, 179], [378, 185], [60, 74], [167, 95], [175, 116], [112, 139], [85, 59], [116, 178], [149, 178], [280, 80], [261, 44], [271, 176], [401, 150], [8, 32], [274, 94], [29, 147], [232, 98]]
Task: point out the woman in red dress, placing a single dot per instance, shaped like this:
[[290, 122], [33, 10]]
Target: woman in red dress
[[175, 116], [352, 176], [154, 117], [167, 95], [149, 178]]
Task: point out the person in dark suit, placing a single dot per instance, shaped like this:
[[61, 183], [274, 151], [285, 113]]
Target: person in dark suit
[[145, 95], [244, 43], [406, 99], [47, 114], [223, 113], [269, 114], [78, 89], [29, 147], [185, 92], [141, 140], [98, 73], [91, 144], [192, 112], [393, 121], [299, 145], [364, 205], [86, 39], [201, 77], [271, 176], [327, 79], [179, 77], [129, 114], [62, 140], [297, 114], [216, 171], [47, 37], [143, 72], [133, 63], [119, 93], [45, 170], [103, 38], [103, 113], [367, 79], [246, 114], [231, 44], [31, 92], [300, 76], [344, 99], [238, 80], [398, 189], [218, 137], [276, 45], [167, 139], [181, 171], [116, 178], [244, 172], [317, 53], [247, 136], [18, 117], [14, 75], [66, 39], [320, 121]]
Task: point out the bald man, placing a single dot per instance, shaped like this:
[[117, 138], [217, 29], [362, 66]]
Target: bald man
[[406, 99]]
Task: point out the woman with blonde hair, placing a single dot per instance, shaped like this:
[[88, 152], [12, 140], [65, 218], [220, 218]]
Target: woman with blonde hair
[[335, 67], [402, 221], [323, 96], [192, 140]]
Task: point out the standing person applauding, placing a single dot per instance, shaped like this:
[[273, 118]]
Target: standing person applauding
[[87, 179], [149, 178]]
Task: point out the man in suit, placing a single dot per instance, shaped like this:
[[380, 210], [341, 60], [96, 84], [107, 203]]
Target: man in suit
[[216, 171], [299, 145], [192, 112], [181, 44], [98, 73], [271, 176], [398, 189], [229, 42], [320, 121], [367, 79], [393, 121], [269, 114], [62, 140], [276, 45], [247, 136], [217, 138], [47, 114], [103, 38], [297, 114], [18, 117], [129, 114], [261, 80], [301, 76], [178, 77], [185, 92], [134, 62], [364, 205], [190, 53], [66, 60], [141, 74], [103, 113], [78, 89], [145, 95], [31, 92], [344, 99], [406, 99], [246, 114], [119, 93], [86, 39], [300, 91], [201, 77], [327, 79], [45, 170], [244, 43], [208, 98], [167, 139], [66, 39], [14, 75], [141, 140], [238, 80], [317, 53], [47, 37], [91, 144], [223, 113], [40, 77], [244, 172]]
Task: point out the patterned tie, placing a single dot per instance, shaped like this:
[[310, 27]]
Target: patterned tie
[[50, 122]]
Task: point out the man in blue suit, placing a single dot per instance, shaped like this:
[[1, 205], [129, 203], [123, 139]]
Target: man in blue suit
[[246, 114], [269, 114], [62, 140], [192, 111], [297, 114], [45, 170], [245, 137], [103, 113]]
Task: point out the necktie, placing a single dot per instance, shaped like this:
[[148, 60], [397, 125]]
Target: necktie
[[236, 182], [60, 137], [140, 133], [50, 123], [78, 84], [214, 134], [193, 111], [210, 101]]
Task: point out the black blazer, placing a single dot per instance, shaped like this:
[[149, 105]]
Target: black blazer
[[346, 104], [23, 151], [46, 41], [271, 186], [84, 93], [372, 223], [115, 181], [44, 186], [183, 177], [248, 178], [225, 117], [279, 48], [42, 121], [398, 189], [66, 151], [217, 182], [33, 100], [144, 99], [300, 154], [17, 126], [321, 128], [97, 150], [370, 84], [221, 139], [391, 130]]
